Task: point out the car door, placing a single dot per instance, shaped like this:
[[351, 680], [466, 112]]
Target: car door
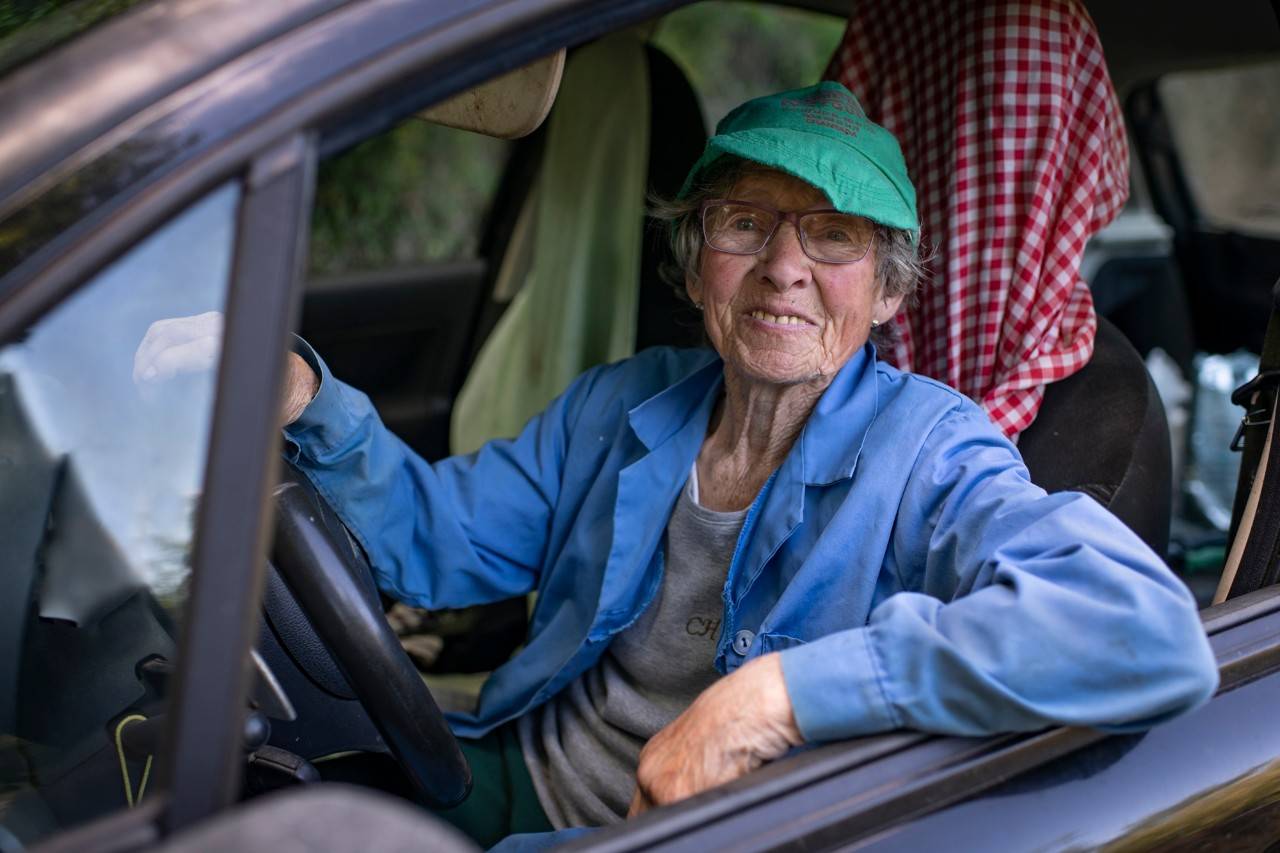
[[218, 145], [103, 481]]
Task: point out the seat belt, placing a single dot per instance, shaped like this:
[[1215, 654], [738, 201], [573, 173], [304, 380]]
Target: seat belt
[[1253, 560]]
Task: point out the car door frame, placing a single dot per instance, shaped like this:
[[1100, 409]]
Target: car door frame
[[353, 71]]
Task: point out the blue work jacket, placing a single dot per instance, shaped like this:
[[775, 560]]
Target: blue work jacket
[[900, 559]]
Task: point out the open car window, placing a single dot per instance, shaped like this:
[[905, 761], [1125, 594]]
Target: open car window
[[415, 195], [100, 477]]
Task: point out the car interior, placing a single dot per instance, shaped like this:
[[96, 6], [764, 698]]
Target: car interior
[[82, 696], [1103, 431], [1136, 269]]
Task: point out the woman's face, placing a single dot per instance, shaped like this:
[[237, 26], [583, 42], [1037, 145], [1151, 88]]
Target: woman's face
[[777, 316]]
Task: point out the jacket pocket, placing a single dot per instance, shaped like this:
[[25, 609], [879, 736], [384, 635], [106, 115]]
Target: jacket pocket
[[771, 642]]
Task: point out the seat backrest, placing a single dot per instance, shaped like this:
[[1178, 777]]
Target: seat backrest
[[677, 134], [676, 138], [1102, 431]]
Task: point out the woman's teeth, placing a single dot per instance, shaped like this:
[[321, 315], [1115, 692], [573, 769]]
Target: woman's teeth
[[785, 319]]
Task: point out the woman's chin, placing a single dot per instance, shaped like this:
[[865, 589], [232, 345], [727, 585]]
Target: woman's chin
[[776, 368]]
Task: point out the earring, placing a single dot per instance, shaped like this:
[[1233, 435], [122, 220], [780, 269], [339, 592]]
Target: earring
[[697, 305], [875, 323]]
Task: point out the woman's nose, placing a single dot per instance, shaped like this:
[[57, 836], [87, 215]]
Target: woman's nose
[[783, 261]]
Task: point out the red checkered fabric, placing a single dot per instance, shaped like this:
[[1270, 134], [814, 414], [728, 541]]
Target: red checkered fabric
[[1016, 145]]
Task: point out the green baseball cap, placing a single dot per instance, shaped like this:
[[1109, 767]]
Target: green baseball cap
[[822, 136]]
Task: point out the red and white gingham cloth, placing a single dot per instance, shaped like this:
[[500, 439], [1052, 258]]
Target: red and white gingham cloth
[[1016, 145]]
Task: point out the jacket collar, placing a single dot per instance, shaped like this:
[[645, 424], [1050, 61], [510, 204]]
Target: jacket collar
[[690, 399], [830, 442], [832, 438]]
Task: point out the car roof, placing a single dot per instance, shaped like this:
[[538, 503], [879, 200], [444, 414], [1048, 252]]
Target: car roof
[[1144, 40], [92, 116], [57, 102]]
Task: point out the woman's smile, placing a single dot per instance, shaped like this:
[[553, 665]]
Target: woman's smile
[[777, 316], [780, 322]]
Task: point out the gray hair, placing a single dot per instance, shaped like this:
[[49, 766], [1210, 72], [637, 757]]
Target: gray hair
[[899, 267]]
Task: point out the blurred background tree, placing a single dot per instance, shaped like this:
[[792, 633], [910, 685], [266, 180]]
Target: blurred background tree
[[735, 51], [417, 193]]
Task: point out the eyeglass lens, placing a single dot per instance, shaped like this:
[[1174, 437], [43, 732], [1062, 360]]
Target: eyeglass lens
[[744, 229]]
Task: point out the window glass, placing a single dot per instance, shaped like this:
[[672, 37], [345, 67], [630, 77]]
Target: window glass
[[1227, 130], [414, 195], [99, 483], [735, 51]]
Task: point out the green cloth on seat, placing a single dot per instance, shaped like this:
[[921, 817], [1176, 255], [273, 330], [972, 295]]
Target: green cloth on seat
[[577, 305]]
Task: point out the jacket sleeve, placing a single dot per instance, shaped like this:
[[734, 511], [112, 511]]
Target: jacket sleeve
[[1025, 610], [462, 531]]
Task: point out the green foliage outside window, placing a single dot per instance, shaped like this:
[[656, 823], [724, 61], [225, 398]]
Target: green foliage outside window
[[417, 193]]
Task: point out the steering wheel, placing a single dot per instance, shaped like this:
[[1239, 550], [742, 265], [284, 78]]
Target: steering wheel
[[332, 581]]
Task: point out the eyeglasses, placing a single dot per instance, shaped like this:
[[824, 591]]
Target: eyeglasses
[[827, 236]]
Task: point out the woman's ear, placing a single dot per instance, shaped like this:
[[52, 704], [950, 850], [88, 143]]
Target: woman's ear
[[693, 287], [886, 308]]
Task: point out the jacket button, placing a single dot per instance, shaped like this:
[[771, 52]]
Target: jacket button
[[742, 641]]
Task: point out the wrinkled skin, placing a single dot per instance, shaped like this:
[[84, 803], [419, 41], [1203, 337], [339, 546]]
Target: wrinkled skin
[[774, 374], [737, 724], [836, 301]]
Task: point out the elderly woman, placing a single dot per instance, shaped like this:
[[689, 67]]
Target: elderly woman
[[772, 541]]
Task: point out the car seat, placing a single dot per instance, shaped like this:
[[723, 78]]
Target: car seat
[[480, 638], [677, 134], [573, 287], [676, 139], [1102, 431]]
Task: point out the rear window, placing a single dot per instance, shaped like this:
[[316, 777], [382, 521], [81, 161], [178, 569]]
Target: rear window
[[1227, 129]]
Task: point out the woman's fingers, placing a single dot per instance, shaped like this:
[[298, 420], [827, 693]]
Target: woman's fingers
[[737, 724], [196, 356], [178, 345], [639, 804]]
